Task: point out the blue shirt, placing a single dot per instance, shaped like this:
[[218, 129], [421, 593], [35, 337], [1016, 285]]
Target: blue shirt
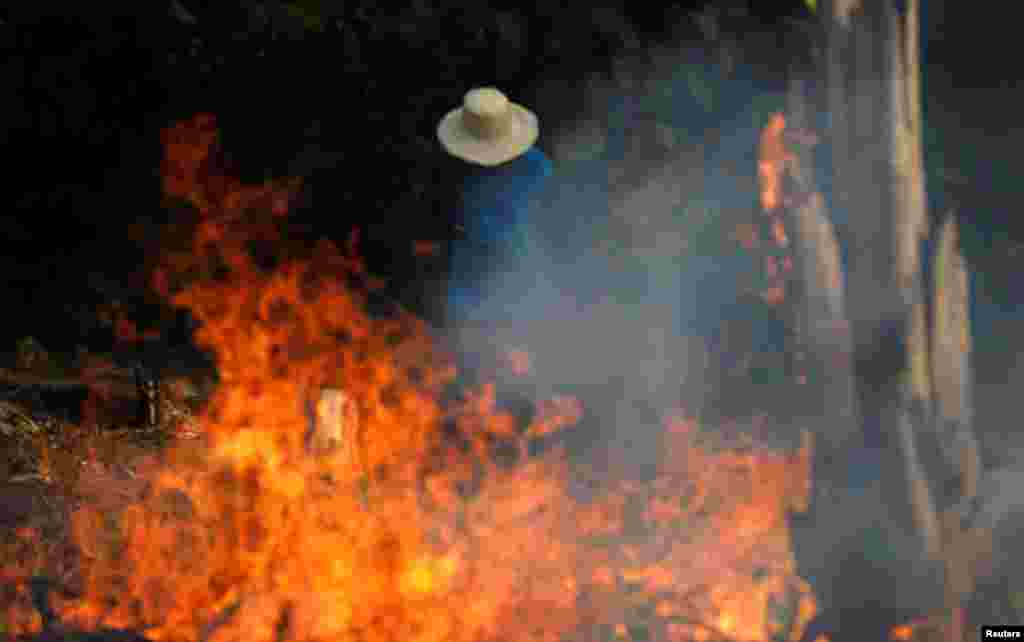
[[493, 213]]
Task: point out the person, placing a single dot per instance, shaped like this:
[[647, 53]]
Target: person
[[486, 295], [526, 272]]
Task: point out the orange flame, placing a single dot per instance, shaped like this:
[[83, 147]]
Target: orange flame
[[249, 536], [426, 248], [773, 155]]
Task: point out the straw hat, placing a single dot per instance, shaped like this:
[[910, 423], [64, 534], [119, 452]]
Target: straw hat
[[488, 129]]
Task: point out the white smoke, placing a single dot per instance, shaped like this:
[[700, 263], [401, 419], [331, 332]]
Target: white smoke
[[621, 268]]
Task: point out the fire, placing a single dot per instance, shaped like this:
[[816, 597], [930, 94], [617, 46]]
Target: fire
[[773, 155], [426, 248], [417, 537], [428, 575]]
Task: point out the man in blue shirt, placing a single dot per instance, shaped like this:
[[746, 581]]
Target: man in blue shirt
[[491, 295]]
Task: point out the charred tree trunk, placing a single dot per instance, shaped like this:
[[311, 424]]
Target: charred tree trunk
[[883, 315]]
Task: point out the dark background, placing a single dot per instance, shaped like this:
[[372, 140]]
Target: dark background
[[348, 94], [349, 97]]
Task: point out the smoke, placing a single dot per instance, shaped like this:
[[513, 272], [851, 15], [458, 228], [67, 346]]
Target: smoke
[[628, 268]]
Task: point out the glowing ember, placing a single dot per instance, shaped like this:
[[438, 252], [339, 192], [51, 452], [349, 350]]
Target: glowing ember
[[426, 248], [427, 538], [772, 157]]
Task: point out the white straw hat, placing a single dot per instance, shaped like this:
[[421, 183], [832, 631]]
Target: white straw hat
[[488, 129]]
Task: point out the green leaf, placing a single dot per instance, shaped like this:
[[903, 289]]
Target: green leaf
[[768, 376], [309, 11], [1017, 601]]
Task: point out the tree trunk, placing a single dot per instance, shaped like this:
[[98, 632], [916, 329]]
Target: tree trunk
[[334, 425], [903, 397]]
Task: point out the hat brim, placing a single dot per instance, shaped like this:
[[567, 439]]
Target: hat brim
[[459, 142]]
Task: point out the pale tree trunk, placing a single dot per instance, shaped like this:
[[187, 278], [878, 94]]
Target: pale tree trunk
[[903, 394], [333, 426]]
